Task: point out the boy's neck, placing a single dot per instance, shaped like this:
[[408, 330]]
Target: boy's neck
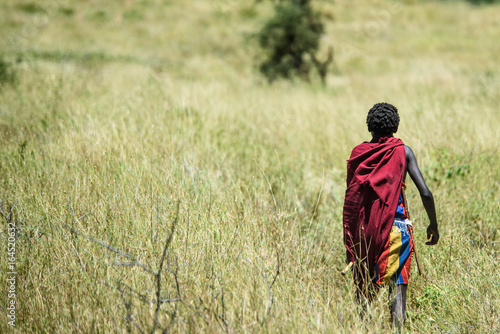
[[376, 137]]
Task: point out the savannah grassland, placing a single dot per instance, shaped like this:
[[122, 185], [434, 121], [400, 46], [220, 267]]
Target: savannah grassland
[[139, 135]]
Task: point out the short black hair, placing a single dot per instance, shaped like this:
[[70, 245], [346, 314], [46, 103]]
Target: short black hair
[[383, 119]]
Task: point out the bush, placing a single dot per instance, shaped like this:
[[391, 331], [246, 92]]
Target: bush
[[290, 39]]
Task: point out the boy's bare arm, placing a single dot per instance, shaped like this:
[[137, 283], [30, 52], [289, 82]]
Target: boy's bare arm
[[425, 195]]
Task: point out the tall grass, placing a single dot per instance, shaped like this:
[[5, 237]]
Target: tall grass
[[126, 118]]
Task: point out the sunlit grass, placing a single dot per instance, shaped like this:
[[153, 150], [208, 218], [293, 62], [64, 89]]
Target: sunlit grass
[[121, 112]]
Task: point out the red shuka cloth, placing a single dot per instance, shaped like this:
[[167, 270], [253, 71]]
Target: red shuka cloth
[[375, 174]]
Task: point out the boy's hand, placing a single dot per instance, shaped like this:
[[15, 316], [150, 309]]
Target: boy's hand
[[433, 235]]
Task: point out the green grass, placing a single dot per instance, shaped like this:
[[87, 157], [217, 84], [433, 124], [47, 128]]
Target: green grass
[[120, 113]]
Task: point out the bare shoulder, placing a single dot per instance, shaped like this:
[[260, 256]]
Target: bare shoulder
[[410, 156]]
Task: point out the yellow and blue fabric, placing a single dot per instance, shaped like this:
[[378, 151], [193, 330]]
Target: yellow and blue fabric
[[395, 260]]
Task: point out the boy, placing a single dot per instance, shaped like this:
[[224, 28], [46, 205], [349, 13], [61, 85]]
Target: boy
[[377, 232]]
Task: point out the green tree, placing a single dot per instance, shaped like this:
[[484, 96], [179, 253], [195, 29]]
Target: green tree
[[290, 40]]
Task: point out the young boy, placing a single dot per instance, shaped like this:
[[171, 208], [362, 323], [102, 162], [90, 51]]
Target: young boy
[[377, 233]]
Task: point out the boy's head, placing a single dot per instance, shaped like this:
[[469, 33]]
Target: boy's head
[[383, 119]]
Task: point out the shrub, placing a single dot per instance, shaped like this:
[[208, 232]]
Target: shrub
[[290, 39]]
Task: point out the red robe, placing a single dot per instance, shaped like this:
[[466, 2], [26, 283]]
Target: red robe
[[375, 174]]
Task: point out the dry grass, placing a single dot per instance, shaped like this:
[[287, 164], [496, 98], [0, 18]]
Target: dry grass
[[121, 110]]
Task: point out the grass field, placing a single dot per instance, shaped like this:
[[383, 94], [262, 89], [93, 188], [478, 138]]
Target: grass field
[[142, 155]]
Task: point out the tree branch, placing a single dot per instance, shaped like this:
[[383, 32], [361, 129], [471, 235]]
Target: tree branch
[[162, 261]]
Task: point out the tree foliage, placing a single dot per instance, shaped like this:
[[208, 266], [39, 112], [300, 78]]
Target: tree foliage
[[290, 39]]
